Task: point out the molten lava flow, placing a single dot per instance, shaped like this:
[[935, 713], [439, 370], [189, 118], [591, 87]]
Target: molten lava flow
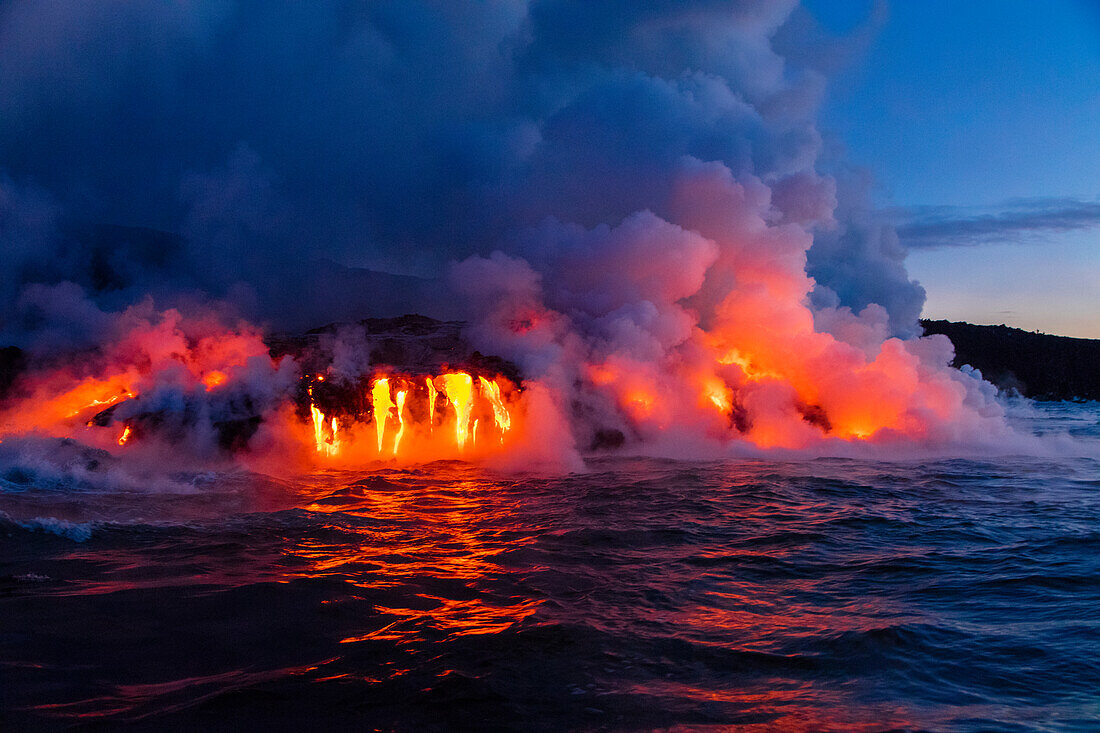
[[61, 404], [167, 379], [491, 390], [326, 445], [411, 402], [400, 419], [90, 394], [335, 437], [459, 389], [380, 394], [718, 394], [100, 403], [431, 403]]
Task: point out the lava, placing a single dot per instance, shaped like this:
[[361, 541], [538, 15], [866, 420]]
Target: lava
[[402, 413], [503, 419], [400, 407], [431, 402], [744, 379], [382, 404], [326, 434], [459, 388]]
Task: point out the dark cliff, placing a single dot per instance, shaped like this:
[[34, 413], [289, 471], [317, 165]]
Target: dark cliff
[[1036, 365]]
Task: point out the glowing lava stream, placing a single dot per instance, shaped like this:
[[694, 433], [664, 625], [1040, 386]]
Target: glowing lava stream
[[459, 389], [395, 398], [328, 446], [380, 395], [431, 403], [400, 419], [100, 403], [491, 390]]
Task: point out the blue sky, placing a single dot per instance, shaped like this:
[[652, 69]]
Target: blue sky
[[975, 106]]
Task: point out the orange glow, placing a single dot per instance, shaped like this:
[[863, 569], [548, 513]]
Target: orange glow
[[400, 419], [639, 403], [503, 420], [161, 353], [718, 395], [444, 541], [756, 371], [99, 404], [751, 370], [431, 403], [210, 380], [327, 445], [91, 394], [159, 349], [402, 409], [459, 389], [601, 374], [380, 394]]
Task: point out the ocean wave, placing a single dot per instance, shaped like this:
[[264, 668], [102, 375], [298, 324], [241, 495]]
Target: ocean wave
[[76, 531]]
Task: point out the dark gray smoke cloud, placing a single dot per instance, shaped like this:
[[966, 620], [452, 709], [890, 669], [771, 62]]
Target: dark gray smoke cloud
[[274, 153]]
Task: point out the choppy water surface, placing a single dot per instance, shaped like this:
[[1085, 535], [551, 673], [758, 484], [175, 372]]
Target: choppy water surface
[[816, 595]]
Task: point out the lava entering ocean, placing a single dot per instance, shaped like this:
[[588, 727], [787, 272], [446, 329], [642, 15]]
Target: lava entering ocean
[[760, 377], [633, 209], [171, 382], [405, 412]]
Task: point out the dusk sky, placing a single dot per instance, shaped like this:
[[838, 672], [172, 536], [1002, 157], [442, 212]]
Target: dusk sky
[[984, 119]]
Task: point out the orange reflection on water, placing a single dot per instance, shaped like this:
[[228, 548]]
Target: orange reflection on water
[[457, 618], [787, 707], [438, 542]]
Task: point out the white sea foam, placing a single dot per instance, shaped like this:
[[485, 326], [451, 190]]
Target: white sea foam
[[76, 531]]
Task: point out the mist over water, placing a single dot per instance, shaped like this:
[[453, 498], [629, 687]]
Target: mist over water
[[829, 594]]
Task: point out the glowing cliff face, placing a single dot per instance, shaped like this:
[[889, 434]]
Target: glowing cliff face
[[649, 185], [405, 411], [760, 376], [648, 334]]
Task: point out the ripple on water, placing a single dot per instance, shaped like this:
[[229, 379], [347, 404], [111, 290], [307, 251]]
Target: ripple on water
[[822, 595]]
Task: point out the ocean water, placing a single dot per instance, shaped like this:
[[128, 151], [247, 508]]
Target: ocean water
[[828, 594]]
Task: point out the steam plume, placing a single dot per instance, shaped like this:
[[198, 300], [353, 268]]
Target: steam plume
[[629, 200]]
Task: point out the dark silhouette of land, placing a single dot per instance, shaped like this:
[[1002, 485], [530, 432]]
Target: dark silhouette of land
[[1036, 365]]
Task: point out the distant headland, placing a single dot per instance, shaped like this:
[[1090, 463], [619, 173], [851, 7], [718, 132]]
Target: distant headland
[[1036, 365]]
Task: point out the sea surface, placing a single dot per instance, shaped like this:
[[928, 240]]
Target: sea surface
[[815, 595]]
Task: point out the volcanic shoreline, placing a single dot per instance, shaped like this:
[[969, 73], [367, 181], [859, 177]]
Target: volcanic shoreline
[[1035, 365]]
